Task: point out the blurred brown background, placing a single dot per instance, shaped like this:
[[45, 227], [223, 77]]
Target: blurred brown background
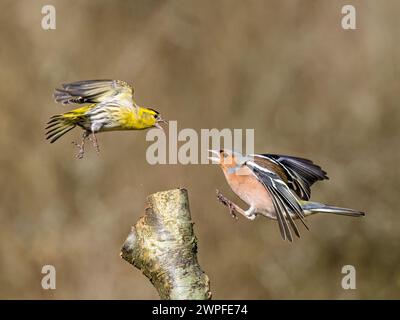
[[285, 68]]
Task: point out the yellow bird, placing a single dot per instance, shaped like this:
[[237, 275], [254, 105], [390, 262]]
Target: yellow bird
[[108, 105]]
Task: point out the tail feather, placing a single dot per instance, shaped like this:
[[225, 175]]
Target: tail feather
[[315, 207], [57, 127]]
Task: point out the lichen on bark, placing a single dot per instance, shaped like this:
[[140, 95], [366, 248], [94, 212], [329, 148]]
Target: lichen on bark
[[162, 244]]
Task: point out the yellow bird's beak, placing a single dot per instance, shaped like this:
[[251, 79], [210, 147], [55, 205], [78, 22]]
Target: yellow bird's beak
[[157, 125]]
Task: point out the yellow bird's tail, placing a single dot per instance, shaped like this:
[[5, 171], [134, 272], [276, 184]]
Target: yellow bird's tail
[[57, 127], [60, 124]]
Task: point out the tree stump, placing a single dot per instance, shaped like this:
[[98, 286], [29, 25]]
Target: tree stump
[[163, 246]]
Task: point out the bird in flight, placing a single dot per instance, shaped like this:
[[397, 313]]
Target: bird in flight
[[274, 186], [105, 105]]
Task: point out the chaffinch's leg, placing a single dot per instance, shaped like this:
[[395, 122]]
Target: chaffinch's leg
[[249, 214]]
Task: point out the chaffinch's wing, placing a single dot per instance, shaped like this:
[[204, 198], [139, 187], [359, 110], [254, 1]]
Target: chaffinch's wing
[[285, 202], [299, 173]]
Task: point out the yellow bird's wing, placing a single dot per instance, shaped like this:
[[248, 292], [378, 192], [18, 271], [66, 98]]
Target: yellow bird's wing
[[96, 91]]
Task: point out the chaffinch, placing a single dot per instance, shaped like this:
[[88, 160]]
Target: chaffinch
[[275, 186]]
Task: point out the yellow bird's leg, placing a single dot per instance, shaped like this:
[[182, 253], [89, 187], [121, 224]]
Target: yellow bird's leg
[[93, 139], [81, 146]]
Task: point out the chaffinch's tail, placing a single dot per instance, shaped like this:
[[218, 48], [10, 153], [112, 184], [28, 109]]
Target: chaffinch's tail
[[310, 207]]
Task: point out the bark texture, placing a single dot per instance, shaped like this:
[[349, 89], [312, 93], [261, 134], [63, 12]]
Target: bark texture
[[163, 246]]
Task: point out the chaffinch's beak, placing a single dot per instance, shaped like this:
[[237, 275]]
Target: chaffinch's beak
[[216, 157]]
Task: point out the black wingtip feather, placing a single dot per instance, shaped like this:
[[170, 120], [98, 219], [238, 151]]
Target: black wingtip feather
[[59, 134], [57, 127]]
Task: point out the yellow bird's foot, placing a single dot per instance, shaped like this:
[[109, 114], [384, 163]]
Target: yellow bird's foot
[[93, 139], [81, 146], [81, 149]]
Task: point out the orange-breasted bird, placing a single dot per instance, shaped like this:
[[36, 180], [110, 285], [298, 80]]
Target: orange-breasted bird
[[106, 105], [274, 186]]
